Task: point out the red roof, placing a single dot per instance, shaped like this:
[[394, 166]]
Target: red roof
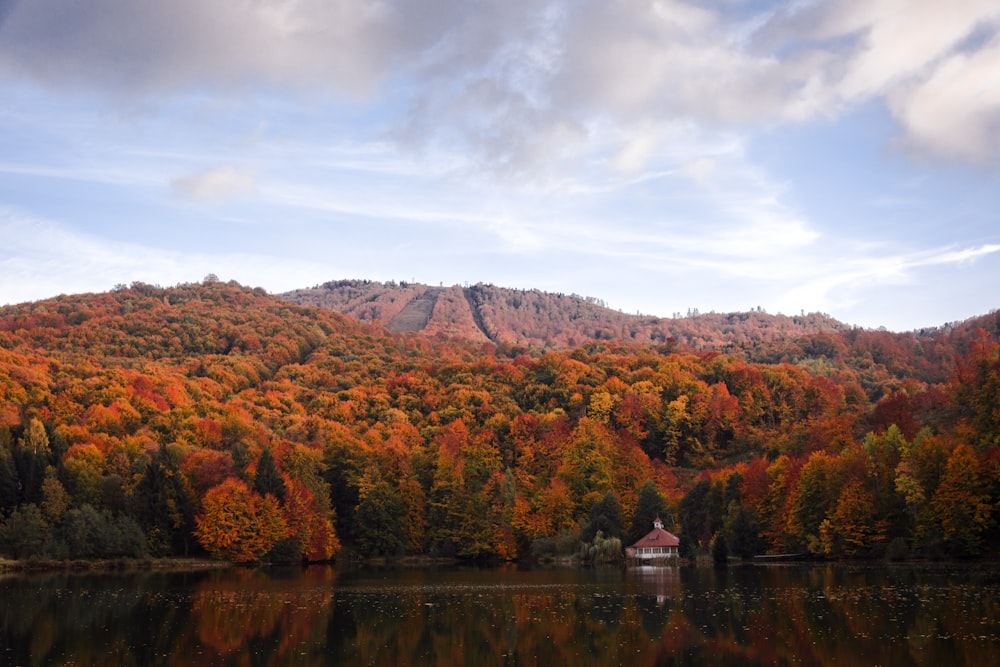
[[657, 538]]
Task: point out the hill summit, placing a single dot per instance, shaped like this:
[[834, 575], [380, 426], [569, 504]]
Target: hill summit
[[544, 320]]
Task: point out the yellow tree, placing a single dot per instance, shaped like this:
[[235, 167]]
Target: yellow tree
[[851, 528], [960, 510], [588, 462]]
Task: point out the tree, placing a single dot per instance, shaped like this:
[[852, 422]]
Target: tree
[[163, 506], [89, 533], [55, 500], [744, 532], [310, 530], [587, 462], [604, 517], [720, 550], [602, 549], [700, 513], [380, 521], [268, 479], [649, 506], [24, 533], [814, 497], [676, 429], [977, 391], [238, 524], [35, 439], [83, 470], [851, 528], [9, 482], [960, 511], [31, 458]]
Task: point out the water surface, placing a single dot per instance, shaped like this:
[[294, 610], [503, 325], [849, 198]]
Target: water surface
[[794, 615]]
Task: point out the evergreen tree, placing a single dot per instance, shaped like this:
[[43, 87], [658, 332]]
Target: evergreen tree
[[720, 550], [268, 479], [650, 505], [604, 517], [381, 515], [699, 514], [745, 533], [162, 505], [8, 480]]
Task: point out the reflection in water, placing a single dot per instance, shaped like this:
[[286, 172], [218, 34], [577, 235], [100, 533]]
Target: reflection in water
[[505, 616]]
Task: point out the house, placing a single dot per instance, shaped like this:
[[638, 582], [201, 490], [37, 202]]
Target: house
[[657, 544]]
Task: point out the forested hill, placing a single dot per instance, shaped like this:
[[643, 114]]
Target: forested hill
[[217, 419], [543, 320], [539, 321]]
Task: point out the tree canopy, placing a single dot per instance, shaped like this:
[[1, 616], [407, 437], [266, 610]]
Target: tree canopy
[[155, 412]]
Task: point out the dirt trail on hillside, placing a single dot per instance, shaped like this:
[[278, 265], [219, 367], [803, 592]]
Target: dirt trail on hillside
[[417, 313]]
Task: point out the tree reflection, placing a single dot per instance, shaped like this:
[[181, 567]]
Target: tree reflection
[[644, 616]]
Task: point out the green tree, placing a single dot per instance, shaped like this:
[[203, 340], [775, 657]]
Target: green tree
[[605, 517], [163, 505], [649, 506], [86, 532], [341, 467], [720, 550], [813, 498], [381, 516], [700, 514], [744, 532], [268, 479], [24, 533], [9, 482], [602, 549], [587, 462]]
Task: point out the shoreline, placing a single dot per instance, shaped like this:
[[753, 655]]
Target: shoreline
[[108, 565]]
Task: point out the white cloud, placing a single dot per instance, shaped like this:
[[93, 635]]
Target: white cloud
[[832, 287], [215, 185], [588, 137], [41, 258], [936, 64], [523, 84], [955, 111]]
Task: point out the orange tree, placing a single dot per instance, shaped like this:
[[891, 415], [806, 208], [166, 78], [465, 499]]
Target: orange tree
[[238, 524]]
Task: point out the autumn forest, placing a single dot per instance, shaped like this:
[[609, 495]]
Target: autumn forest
[[212, 419]]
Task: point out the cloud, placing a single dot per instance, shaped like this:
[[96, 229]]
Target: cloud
[[935, 64], [955, 111], [837, 287], [131, 47], [215, 185], [525, 84], [39, 258]]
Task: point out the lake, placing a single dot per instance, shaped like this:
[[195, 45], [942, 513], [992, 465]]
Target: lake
[[774, 614]]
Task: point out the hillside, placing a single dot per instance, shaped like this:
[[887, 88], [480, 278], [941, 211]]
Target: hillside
[[213, 418], [542, 320], [531, 320]]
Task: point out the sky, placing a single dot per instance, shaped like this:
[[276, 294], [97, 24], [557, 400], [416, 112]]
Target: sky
[[662, 156]]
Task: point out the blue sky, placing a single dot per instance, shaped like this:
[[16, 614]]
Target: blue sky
[[841, 156]]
